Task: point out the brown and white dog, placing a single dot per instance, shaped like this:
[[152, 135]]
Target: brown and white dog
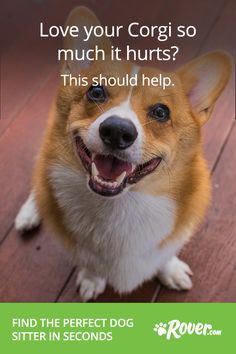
[[121, 175]]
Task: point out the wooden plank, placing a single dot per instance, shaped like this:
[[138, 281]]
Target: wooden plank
[[18, 149], [32, 268], [211, 253], [13, 22], [216, 130]]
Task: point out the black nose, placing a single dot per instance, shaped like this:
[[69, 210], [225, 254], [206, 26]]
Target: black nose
[[117, 133]]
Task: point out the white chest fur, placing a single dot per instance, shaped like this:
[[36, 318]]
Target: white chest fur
[[117, 238]]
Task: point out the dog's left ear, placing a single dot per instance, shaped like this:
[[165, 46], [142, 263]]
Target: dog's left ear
[[203, 79], [82, 17]]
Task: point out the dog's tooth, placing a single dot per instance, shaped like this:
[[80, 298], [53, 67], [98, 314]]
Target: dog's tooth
[[96, 178], [103, 183], [120, 179], [133, 167], [94, 169], [93, 156]]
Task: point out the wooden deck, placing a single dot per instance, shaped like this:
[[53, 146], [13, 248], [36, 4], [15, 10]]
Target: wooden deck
[[35, 267]]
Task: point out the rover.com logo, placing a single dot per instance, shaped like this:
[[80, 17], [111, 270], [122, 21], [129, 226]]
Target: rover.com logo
[[177, 329]]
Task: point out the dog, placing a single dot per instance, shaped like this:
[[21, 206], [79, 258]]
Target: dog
[[121, 175]]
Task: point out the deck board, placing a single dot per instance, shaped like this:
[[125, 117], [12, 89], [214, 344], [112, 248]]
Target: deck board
[[37, 268], [33, 267], [221, 36], [18, 149]]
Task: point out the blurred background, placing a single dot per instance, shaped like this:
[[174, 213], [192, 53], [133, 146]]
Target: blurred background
[[34, 267]]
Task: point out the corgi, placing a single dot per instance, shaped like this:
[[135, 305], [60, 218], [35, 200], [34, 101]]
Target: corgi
[[121, 175]]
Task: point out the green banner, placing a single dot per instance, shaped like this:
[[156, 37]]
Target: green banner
[[116, 328]]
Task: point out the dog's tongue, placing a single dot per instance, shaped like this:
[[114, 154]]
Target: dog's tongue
[[109, 167]]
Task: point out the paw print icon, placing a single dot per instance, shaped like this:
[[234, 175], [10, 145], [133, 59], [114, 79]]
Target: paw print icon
[[160, 328]]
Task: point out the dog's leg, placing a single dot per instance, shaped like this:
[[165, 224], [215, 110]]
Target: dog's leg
[[176, 275], [28, 217], [90, 286]]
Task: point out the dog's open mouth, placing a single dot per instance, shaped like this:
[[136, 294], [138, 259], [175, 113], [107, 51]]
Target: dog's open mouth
[[110, 175]]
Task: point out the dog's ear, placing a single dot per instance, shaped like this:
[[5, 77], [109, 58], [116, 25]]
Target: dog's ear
[[81, 16], [203, 79]]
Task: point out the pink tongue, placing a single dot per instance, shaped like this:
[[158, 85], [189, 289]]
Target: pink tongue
[[109, 167]]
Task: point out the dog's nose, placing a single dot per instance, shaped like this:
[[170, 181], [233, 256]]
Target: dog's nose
[[118, 133]]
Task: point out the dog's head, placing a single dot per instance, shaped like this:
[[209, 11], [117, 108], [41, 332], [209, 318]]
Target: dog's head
[[123, 134]]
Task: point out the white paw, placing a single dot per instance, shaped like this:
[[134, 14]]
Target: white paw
[[28, 216], [176, 275], [90, 286]]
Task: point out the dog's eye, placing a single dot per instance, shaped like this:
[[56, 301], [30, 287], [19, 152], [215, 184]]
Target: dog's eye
[[161, 112], [96, 94]]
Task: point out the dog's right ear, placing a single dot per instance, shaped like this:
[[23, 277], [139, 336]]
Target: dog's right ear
[[203, 79], [81, 16]]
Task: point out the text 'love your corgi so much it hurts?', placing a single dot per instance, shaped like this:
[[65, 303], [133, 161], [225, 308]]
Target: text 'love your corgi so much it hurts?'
[[160, 33]]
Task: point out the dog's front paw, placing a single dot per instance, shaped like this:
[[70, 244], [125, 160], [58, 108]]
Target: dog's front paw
[[89, 286], [176, 275], [28, 217]]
